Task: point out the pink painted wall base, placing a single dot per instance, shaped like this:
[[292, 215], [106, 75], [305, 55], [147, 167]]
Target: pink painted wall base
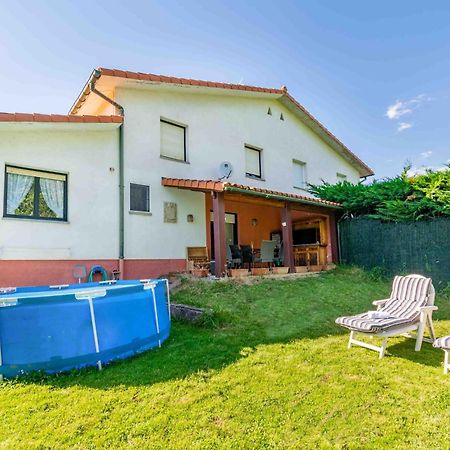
[[46, 272]]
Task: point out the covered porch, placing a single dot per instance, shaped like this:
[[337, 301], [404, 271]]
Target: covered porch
[[244, 217]]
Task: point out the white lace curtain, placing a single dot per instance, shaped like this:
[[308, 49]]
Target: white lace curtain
[[17, 190], [53, 192]]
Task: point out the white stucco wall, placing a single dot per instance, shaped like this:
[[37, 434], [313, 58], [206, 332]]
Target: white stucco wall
[[217, 129], [86, 154]]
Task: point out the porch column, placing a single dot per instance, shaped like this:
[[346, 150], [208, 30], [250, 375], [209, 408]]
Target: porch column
[[288, 245], [332, 247], [220, 255]]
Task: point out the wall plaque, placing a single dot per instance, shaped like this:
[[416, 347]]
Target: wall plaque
[[170, 212]]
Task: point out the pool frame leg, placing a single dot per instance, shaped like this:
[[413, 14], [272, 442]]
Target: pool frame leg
[[94, 330], [1, 362], [156, 314], [168, 299]]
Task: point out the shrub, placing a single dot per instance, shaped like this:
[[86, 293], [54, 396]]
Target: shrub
[[397, 199]]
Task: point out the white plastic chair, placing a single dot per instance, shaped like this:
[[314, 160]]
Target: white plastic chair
[[409, 308]]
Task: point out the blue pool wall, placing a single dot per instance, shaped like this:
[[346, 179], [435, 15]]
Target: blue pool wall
[[50, 330]]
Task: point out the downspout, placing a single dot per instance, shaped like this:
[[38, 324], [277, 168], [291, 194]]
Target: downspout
[[364, 178], [119, 108]]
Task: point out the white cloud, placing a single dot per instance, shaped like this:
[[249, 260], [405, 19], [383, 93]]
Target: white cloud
[[414, 171], [404, 126], [422, 170], [426, 154], [402, 107], [397, 110]]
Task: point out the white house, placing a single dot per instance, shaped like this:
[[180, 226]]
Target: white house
[[135, 174]]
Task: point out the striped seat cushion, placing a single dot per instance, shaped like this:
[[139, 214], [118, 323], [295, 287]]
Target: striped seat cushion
[[408, 295], [443, 342]]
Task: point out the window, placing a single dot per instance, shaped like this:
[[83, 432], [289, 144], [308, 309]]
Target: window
[[173, 141], [231, 230], [299, 174], [253, 162], [139, 197], [35, 194], [340, 177]]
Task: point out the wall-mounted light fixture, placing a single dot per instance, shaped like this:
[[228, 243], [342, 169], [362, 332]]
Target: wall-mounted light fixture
[[190, 218], [254, 222]]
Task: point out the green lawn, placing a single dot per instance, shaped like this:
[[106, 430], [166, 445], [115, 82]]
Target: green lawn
[[269, 369]]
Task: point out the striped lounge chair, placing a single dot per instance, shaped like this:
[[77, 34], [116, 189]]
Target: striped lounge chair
[[444, 344], [409, 308]]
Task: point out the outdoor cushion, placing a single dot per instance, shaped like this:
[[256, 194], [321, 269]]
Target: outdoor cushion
[[407, 296], [443, 342]]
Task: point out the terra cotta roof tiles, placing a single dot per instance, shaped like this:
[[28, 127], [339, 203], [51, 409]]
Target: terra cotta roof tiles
[[34, 117], [221, 186]]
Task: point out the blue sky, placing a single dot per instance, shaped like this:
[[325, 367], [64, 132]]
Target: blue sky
[[377, 74]]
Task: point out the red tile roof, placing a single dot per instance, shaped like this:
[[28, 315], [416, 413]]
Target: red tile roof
[[33, 117], [175, 80], [283, 92], [224, 186]]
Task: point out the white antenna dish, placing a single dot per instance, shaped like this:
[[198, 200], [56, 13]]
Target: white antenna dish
[[225, 170]]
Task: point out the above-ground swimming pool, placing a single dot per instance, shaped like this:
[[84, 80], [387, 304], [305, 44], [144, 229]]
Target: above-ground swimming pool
[[58, 328]]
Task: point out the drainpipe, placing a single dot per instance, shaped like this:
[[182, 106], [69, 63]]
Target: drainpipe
[[119, 108]]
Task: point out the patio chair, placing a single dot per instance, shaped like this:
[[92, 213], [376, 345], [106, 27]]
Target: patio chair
[[279, 258], [444, 344], [267, 252], [409, 308], [234, 258], [247, 255]]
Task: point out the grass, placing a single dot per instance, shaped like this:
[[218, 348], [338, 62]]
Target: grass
[[268, 369]]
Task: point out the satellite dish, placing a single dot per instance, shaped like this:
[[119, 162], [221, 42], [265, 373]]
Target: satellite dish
[[225, 170]]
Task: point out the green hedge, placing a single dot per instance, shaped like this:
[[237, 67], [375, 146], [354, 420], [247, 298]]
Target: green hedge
[[399, 199]]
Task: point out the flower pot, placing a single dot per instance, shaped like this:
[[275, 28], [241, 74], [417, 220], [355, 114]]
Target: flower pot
[[199, 273], [280, 270], [259, 271], [239, 273]]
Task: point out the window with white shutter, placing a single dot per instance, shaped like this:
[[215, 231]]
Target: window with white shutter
[[253, 162], [173, 141], [299, 174], [340, 177]]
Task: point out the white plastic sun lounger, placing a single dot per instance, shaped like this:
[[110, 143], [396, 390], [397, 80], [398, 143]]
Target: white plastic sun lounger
[[444, 344], [409, 308]]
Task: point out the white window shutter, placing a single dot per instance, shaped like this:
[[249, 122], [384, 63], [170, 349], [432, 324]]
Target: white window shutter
[[172, 141], [299, 174], [252, 161]]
